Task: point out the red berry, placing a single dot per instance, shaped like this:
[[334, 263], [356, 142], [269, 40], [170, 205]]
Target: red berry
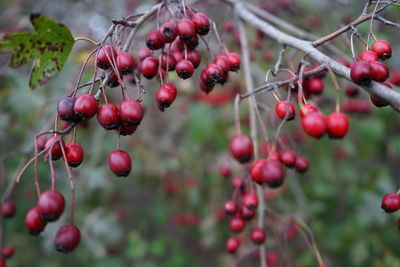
[[8, 209], [231, 207], [85, 106], [194, 56], [234, 61], [166, 95], [288, 158], [65, 109], [232, 244], [223, 62], [246, 213], [184, 69], [285, 109], [105, 53], [168, 32], [154, 40], [380, 72], [149, 67], [192, 43], [361, 72], [352, 91], [256, 172], [131, 112], [314, 85], [257, 235], [237, 225], [391, 202], [382, 48], [51, 205], [34, 222], [201, 23], [368, 56], [241, 148], [67, 238], [7, 252], [273, 173], [125, 63], [250, 201], [314, 124], [53, 147], [214, 72], [301, 164], [186, 29], [308, 109], [225, 171], [206, 88], [120, 162], [74, 153], [41, 142], [113, 80], [143, 53], [337, 124], [127, 129], [237, 182], [168, 59], [108, 116]]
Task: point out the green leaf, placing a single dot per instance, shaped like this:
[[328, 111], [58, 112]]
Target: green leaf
[[48, 48]]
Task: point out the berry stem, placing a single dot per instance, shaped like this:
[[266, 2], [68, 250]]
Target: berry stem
[[335, 83], [36, 169], [237, 114], [72, 185], [80, 38], [82, 70], [52, 173]]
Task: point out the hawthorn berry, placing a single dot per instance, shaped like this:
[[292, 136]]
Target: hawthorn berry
[[74, 154], [352, 91], [67, 238], [125, 63], [184, 69], [201, 23], [7, 252], [361, 72], [234, 61], [368, 56], [231, 207], [51, 205], [285, 109], [288, 158], [301, 164], [34, 222], [241, 148], [258, 235], [166, 95], [127, 129], [168, 62], [53, 147], [168, 32], [113, 80], [380, 72], [225, 171], [192, 43], [246, 213], [314, 124], [154, 40], [108, 116], [194, 56], [237, 224], [131, 112], [143, 53], [149, 67], [65, 109], [308, 109], [85, 106], [256, 172], [382, 48], [8, 209], [391, 202], [232, 245], [104, 55], [120, 163], [273, 173], [314, 86], [337, 124], [250, 201], [186, 29], [223, 62]]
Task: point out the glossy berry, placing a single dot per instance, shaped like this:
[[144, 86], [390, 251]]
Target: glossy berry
[[7, 252], [186, 29], [120, 163], [380, 72], [108, 116], [361, 72], [85, 106], [382, 48], [246, 213], [131, 112], [285, 109], [234, 61], [205, 87], [256, 172], [257, 235], [201, 23], [308, 109], [34, 222], [337, 124], [237, 224], [232, 245], [8, 209], [250, 201], [65, 109], [391, 202], [104, 55], [53, 148], [166, 95], [168, 62], [368, 56], [194, 56], [154, 40], [231, 207], [149, 67], [74, 154], [273, 173], [168, 32], [301, 164], [125, 63], [314, 85], [214, 72], [288, 158], [314, 124], [67, 238], [241, 148], [184, 69], [51, 205]]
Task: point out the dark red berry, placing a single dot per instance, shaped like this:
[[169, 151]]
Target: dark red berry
[[301, 164], [361, 72], [380, 72], [246, 213], [205, 87], [168, 62], [51, 205], [85, 106], [74, 153], [314, 85], [225, 171], [108, 116], [104, 55], [234, 61], [131, 112], [223, 62], [143, 53], [41, 142], [237, 224], [241, 148], [67, 238], [288, 158], [192, 43], [285, 109], [314, 124], [186, 29], [34, 222], [149, 67], [273, 173], [53, 147], [154, 40], [308, 109], [168, 32], [232, 244], [120, 162], [368, 56], [7, 252], [184, 69], [8, 209], [113, 80], [65, 109], [166, 95], [125, 63], [231, 207], [237, 182], [337, 124], [194, 56], [352, 91], [257, 235], [250, 201], [201, 23], [214, 72], [391, 202], [127, 129], [256, 172], [382, 48]]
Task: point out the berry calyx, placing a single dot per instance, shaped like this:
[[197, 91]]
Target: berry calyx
[[74, 154], [241, 148], [85, 106], [108, 116], [285, 109], [391, 202], [258, 235], [34, 222], [125, 63], [67, 238], [51, 205], [168, 32], [361, 73], [232, 245], [8, 209], [184, 69], [314, 124], [237, 224], [131, 112], [120, 163], [382, 48], [337, 125]]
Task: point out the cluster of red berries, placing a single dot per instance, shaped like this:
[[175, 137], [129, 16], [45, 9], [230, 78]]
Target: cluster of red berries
[[7, 210]]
